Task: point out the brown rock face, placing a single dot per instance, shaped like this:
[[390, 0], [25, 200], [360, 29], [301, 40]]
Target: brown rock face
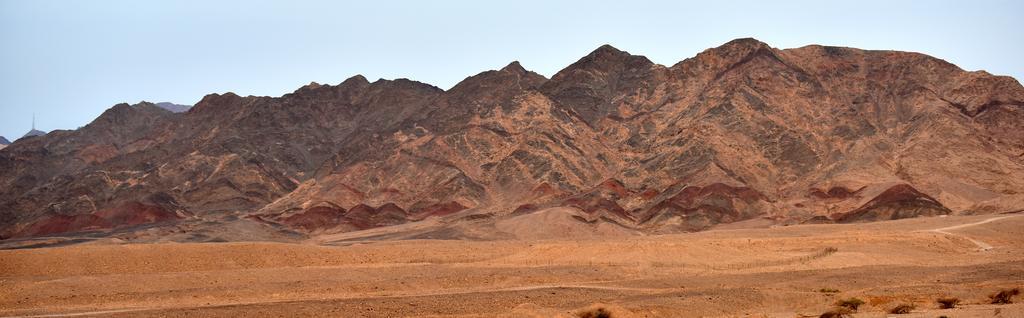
[[697, 208], [740, 131], [316, 218], [898, 202], [123, 215]]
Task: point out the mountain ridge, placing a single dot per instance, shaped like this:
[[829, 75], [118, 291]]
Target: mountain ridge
[[739, 131]]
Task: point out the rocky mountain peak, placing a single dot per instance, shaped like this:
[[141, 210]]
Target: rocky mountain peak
[[605, 58], [311, 85], [310, 90], [744, 44], [124, 113], [591, 85], [406, 83], [732, 53], [345, 90], [355, 80], [513, 76], [212, 101], [606, 51], [514, 67]]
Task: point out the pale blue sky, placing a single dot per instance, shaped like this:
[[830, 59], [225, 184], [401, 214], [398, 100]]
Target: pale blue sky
[[67, 61]]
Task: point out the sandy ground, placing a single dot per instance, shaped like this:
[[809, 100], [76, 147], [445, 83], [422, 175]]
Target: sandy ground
[[769, 272]]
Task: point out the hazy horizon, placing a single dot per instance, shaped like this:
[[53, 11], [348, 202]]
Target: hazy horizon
[[67, 62]]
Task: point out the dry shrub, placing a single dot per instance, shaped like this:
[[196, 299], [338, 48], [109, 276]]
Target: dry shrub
[[948, 302], [841, 312], [902, 309], [851, 303], [595, 313], [1004, 296], [828, 290]]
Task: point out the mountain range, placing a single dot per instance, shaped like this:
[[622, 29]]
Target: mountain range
[[613, 143], [174, 108]]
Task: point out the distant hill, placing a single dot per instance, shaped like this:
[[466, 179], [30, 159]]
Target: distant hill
[[4, 141], [33, 133], [174, 108]]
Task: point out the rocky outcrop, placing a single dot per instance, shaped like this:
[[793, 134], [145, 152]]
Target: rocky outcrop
[[740, 131], [701, 207], [898, 202], [122, 215]]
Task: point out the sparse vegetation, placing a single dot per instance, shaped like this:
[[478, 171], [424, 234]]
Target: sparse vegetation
[[595, 313], [850, 303], [902, 309], [948, 302], [841, 312], [829, 290], [1004, 296]]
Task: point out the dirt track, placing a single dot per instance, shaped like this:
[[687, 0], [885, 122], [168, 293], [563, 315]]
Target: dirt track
[[762, 272], [981, 245]]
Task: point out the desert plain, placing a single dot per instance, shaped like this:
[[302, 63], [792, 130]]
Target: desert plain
[[745, 269]]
